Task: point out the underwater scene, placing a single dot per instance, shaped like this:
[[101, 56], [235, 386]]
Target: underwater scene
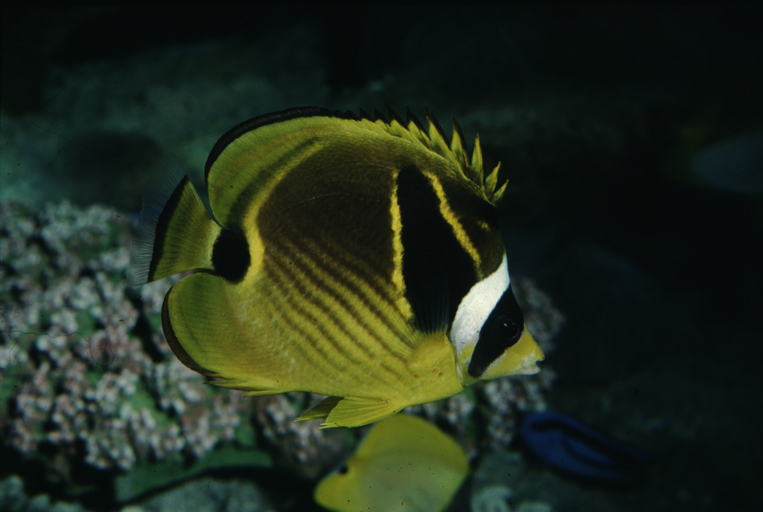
[[413, 259]]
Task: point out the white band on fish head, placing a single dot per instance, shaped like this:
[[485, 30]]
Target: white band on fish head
[[474, 310]]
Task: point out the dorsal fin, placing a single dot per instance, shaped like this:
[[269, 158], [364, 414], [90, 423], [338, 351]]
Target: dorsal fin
[[432, 138]]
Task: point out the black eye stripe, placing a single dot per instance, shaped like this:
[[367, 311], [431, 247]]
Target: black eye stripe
[[501, 330]]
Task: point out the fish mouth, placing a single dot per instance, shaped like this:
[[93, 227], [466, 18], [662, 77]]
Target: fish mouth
[[530, 369], [529, 364], [520, 359]]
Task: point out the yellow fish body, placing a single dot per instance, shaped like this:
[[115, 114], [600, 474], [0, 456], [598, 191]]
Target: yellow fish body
[[353, 257], [403, 465]]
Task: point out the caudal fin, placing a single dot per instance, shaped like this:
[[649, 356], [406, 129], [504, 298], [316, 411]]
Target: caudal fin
[[174, 234]]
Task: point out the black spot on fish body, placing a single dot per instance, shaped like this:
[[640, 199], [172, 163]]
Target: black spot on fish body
[[501, 330], [230, 255]]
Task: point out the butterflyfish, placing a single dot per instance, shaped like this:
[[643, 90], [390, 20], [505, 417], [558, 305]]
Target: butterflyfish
[[403, 465], [354, 257]]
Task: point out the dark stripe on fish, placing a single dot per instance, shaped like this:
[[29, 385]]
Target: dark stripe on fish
[[339, 214], [475, 211], [282, 303], [295, 309], [347, 272], [321, 261], [302, 266], [250, 192], [308, 275], [437, 270]]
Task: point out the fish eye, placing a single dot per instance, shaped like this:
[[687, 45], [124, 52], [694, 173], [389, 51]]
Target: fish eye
[[342, 470], [507, 330]]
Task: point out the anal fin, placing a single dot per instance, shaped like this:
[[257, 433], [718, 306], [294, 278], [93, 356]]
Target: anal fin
[[351, 411], [320, 411]]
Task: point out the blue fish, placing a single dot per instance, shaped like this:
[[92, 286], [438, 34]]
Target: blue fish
[[579, 451]]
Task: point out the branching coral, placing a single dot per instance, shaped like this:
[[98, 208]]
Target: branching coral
[[85, 372]]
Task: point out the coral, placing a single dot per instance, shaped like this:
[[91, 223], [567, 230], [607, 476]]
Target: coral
[[86, 373], [306, 449]]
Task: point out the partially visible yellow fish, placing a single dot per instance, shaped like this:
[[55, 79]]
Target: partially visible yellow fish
[[404, 465], [353, 257]]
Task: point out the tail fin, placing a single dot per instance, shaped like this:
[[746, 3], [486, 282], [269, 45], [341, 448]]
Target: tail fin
[[174, 234]]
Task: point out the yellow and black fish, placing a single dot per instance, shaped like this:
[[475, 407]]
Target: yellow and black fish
[[354, 257]]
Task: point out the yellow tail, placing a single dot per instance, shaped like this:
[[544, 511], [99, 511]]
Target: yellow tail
[[174, 234]]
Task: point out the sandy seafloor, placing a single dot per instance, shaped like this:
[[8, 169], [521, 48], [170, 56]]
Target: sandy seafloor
[[595, 114]]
